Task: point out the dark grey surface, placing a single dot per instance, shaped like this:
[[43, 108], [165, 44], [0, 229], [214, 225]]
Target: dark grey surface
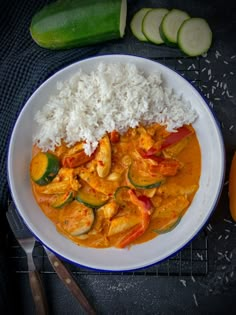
[[24, 66]]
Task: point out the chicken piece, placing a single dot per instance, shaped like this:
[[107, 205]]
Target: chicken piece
[[171, 207], [110, 209], [104, 186], [65, 180], [103, 157], [172, 189], [123, 223]]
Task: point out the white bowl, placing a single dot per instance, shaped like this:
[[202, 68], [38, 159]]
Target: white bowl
[[138, 256]]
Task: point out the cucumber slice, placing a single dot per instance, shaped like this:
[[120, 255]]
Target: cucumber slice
[[194, 37], [136, 24], [62, 200], [90, 197], [151, 25], [43, 168], [139, 179], [170, 25], [76, 219]]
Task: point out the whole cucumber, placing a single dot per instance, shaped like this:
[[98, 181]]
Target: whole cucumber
[[66, 24]]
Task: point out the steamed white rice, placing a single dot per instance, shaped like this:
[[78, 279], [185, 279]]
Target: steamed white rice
[[113, 97]]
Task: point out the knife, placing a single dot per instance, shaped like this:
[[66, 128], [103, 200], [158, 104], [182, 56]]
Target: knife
[[68, 280]]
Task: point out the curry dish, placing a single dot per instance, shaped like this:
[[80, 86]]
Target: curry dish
[[134, 187]]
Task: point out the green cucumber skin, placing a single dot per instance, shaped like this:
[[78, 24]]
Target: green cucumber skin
[[150, 39], [166, 40], [88, 204], [74, 23], [143, 186], [168, 229], [117, 193], [68, 200], [51, 171]]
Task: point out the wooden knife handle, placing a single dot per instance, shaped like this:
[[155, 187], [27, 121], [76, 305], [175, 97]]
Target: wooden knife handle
[[38, 293], [67, 278]]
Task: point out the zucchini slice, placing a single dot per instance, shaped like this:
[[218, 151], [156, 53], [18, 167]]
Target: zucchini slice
[[194, 37], [90, 197], [121, 195], [139, 179], [170, 25], [136, 24], [169, 226], [62, 200], [74, 23], [151, 25], [76, 219], [43, 168]]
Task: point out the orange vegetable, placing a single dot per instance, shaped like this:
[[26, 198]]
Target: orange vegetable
[[167, 167], [232, 188], [76, 159], [114, 136]]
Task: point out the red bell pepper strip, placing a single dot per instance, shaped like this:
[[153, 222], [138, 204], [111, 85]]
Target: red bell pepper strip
[[143, 202], [167, 167], [145, 206], [114, 136], [76, 159], [175, 137], [150, 154]]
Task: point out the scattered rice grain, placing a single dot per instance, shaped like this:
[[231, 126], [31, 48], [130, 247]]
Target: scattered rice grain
[[195, 299], [228, 221], [199, 256], [183, 282], [193, 279]]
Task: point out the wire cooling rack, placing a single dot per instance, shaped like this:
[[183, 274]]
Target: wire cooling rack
[[192, 260]]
